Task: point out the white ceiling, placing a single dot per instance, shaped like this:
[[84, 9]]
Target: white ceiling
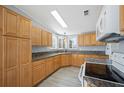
[[72, 15]]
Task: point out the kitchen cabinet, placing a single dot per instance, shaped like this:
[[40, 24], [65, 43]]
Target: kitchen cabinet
[[94, 42], [15, 49], [11, 64], [122, 19], [1, 62], [24, 27], [1, 20], [49, 66], [65, 60], [14, 24], [80, 59], [25, 62], [49, 39], [57, 62], [89, 39], [11, 23], [81, 39], [77, 59], [38, 73], [36, 36], [46, 38]]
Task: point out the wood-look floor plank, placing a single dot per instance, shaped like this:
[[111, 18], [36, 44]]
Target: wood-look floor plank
[[65, 77]]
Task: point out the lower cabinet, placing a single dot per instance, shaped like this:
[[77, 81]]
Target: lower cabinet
[[65, 60], [77, 60], [38, 71], [57, 62], [49, 66], [43, 68]]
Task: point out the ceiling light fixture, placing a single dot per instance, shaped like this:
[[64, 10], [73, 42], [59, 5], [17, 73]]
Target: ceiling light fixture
[[59, 18]]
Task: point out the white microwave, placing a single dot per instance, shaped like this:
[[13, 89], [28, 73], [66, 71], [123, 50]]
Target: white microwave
[[107, 27]]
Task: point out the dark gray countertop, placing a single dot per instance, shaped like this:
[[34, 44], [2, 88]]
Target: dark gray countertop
[[39, 55]]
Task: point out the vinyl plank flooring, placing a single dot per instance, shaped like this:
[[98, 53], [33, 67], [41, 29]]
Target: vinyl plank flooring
[[64, 77]]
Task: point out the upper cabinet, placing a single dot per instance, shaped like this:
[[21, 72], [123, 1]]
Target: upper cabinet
[[36, 36], [49, 39], [1, 20], [11, 23], [110, 25], [122, 19], [44, 38], [24, 27], [88, 39], [41, 37]]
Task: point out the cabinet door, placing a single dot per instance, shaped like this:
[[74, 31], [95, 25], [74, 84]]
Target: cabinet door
[[36, 72], [36, 36], [11, 23], [26, 75], [87, 39], [81, 40], [43, 69], [74, 59], [25, 62], [65, 60], [1, 61], [80, 60], [44, 38], [1, 20], [122, 18], [49, 39], [11, 62], [93, 39], [24, 27]]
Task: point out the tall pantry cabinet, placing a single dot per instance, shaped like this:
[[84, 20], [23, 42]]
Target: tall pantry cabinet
[[1, 46], [15, 67]]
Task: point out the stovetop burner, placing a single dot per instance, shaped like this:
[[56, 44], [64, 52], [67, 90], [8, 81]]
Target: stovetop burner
[[103, 71]]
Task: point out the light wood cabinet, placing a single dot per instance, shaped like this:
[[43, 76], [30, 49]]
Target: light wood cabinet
[[77, 60], [122, 19], [36, 36], [46, 38], [80, 40], [1, 62], [1, 20], [65, 60], [15, 67], [11, 23], [57, 62], [25, 62], [39, 72], [11, 64], [94, 42], [24, 27], [49, 39], [89, 39]]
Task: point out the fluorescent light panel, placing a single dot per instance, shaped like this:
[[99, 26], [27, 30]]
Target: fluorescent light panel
[[59, 18]]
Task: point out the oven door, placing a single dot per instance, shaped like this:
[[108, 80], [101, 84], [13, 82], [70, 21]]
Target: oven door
[[80, 73]]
